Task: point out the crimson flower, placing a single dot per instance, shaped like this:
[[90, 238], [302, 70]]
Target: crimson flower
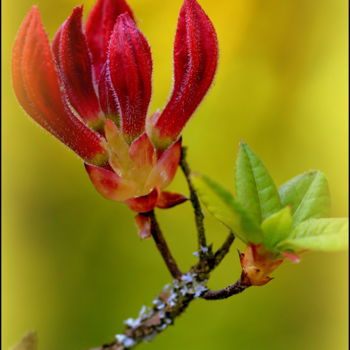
[[91, 89]]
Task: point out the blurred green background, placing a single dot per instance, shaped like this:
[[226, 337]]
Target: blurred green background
[[73, 266]]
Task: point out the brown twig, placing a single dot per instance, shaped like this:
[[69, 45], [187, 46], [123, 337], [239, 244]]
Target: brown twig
[[163, 247], [172, 302], [199, 217], [151, 323], [221, 253], [227, 292]]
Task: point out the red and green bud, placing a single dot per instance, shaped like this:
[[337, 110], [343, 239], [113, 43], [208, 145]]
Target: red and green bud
[[138, 172], [99, 27], [108, 97], [257, 263], [73, 58], [130, 67], [195, 62], [39, 89], [92, 87]]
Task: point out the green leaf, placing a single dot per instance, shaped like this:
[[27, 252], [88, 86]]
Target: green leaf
[[255, 188], [308, 194], [221, 204], [319, 234], [277, 227]]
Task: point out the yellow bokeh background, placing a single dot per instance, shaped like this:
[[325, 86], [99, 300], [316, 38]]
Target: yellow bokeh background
[[73, 266]]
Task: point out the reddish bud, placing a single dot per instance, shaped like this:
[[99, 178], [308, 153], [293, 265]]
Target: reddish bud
[[130, 66], [73, 57], [37, 86], [195, 61], [257, 263], [99, 28], [108, 96]]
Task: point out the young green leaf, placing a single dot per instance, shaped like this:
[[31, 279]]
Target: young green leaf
[[255, 188], [308, 194], [277, 227], [293, 191], [221, 204], [318, 234]]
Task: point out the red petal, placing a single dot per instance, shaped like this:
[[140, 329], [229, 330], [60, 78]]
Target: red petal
[[195, 61], [99, 27], [143, 224], [72, 54], [145, 203], [130, 65], [141, 152], [164, 171], [108, 97], [169, 199], [56, 45], [109, 184], [37, 87]]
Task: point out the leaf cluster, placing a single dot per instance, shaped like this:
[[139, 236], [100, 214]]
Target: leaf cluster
[[292, 217]]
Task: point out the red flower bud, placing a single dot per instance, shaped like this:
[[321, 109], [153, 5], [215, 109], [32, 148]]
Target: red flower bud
[[195, 61], [37, 86], [73, 57], [57, 86], [108, 96], [130, 67], [99, 28]]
